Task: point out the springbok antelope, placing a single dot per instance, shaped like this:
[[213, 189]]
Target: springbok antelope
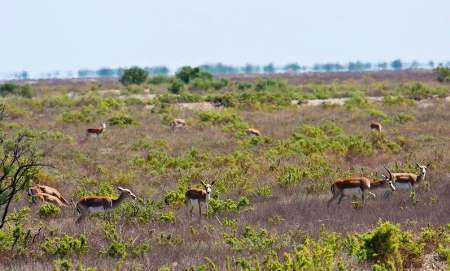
[[43, 189], [376, 126], [90, 205], [95, 131], [48, 198], [253, 132], [408, 181], [357, 185], [199, 195], [178, 123]]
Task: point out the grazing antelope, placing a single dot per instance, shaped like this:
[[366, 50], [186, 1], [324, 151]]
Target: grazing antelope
[[199, 195], [376, 126], [408, 181], [253, 132], [95, 131], [357, 185], [178, 123], [43, 189], [49, 199], [90, 205]]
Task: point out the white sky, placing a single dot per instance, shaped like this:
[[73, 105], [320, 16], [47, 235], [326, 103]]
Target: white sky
[[48, 35]]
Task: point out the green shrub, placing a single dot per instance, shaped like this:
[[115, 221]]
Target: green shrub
[[168, 217], [48, 209], [442, 73], [403, 117], [229, 119], [134, 75], [13, 89], [356, 101], [62, 265], [387, 245], [175, 198], [250, 240], [226, 100], [229, 205], [117, 249], [121, 120], [419, 91], [176, 86], [66, 245], [187, 74]]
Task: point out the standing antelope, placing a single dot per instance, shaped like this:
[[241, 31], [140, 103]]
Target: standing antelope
[[43, 189], [408, 181], [199, 195], [95, 131], [356, 185], [253, 132], [178, 123], [95, 204], [376, 126]]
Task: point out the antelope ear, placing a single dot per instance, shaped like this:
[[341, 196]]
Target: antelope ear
[[429, 164], [213, 182], [417, 164], [203, 183]]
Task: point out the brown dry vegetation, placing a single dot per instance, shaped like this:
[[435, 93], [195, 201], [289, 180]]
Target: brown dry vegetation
[[278, 184]]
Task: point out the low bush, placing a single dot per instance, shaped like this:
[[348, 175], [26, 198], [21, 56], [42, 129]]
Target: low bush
[[13, 89], [48, 209], [389, 246], [442, 73], [134, 75], [67, 245], [122, 120]]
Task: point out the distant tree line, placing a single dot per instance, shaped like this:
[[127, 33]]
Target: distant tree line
[[220, 68], [118, 72]]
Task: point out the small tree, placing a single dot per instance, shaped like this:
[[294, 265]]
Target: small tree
[[134, 75], [292, 67], [176, 87], [18, 165], [269, 68], [397, 64], [442, 73]]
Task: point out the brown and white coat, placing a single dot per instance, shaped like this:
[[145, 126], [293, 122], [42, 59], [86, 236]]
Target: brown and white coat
[[199, 196], [356, 185], [97, 204]]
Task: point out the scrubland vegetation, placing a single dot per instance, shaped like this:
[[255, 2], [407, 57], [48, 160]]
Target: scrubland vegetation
[[268, 205]]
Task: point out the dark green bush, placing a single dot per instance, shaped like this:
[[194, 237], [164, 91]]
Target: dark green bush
[[442, 73], [13, 89], [187, 74], [176, 86], [121, 120], [134, 75]]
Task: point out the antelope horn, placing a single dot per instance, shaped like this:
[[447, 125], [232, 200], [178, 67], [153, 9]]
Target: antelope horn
[[390, 174]]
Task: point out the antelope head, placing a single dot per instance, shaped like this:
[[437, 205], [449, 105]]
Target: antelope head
[[207, 187], [388, 181], [423, 169], [126, 192]]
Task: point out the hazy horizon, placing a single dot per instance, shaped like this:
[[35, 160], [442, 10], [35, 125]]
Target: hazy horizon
[[50, 35]]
